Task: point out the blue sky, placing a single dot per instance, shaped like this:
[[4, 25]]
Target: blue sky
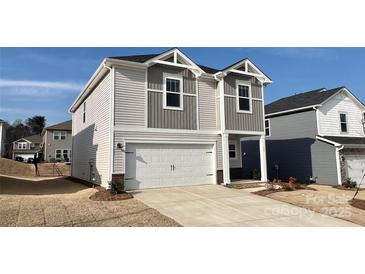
[[45, 81]]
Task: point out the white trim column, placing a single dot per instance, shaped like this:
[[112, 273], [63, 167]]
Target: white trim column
[[338, 165], [225, 159], [263, 161]]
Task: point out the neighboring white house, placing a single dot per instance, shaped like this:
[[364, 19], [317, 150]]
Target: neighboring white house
[[316, 136], [2, 138], [162, 120]]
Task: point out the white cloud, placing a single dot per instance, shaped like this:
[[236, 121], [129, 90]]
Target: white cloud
[[40, 84]]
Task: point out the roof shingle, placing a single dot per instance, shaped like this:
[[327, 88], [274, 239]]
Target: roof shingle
[[302, 100]]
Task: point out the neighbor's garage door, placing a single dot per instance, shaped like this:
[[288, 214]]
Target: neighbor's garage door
[[356, 168], [164, 165], [25, 156]]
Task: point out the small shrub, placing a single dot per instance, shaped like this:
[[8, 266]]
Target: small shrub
[[349, 183], [292, 184], [255, 174]]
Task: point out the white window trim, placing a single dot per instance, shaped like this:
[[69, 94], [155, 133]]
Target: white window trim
[[23, 147], [235, 150], [247, 84], [347, 123], [68, 153], [59, 135], [269, 127], [175, 77]]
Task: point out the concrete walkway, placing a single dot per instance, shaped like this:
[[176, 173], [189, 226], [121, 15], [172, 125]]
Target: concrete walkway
[[213, 205]]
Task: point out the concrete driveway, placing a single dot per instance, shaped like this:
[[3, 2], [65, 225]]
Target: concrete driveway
[[213, 205]]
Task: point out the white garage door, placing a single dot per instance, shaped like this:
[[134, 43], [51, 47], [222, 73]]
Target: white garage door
[[356, 168], [165, 165], [25, 156]]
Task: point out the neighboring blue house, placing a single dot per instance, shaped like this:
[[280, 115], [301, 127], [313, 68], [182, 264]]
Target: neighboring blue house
[[314, 136]]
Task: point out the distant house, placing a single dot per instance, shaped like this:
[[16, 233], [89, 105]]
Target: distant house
[[2, 138], [315, 136], [57, 142], [26, 147]]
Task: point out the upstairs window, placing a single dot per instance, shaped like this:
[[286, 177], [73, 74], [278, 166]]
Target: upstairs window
[[59, 135], [22, 145], [343, 122], [244, 99], [173, 92], [84, 113], [232, 151], [267, 128]]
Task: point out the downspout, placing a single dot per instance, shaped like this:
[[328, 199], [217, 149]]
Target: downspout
[[338, 164]]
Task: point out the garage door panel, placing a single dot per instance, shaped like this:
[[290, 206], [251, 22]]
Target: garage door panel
[[356, 168], [149, 165]]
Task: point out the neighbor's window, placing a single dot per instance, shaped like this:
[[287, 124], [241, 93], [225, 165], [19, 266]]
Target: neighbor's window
[[173, 89], [244, 98], [232, 151], [59, 135], [84, 113], [58, 153], [22, 145], [343, 121], [267, 128]]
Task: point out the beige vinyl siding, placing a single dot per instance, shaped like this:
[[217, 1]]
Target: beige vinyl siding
[[158, 117], [91, 140], [122, 136], [51, 144], [130, 97], [230, 85], [243, 121], [155, 77], [207, 106]]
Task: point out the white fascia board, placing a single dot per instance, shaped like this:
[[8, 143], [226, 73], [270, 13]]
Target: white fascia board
[[98, 74], [328, 141], [360, 104], [175, 51], [261, 75], [291, 110]]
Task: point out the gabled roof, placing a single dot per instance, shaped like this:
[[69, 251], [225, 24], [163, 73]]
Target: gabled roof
[[67, 125], [36, 139], [301, 100], [179, 60], [346, 140]]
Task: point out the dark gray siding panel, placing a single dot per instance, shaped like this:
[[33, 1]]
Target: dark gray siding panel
[[230, 85], [155, 77], [324, 163], [243, 121], [158, 117], [294, 126]]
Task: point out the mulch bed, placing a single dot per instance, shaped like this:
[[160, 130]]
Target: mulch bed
[[347, 188], [106, 195], [358, 203], [266, 192], [245, 186]]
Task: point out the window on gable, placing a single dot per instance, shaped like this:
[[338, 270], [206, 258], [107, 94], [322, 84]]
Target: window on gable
[[173, 89], [244, 98], [343, 121], [267, 128], [232, 151], [59, 135]]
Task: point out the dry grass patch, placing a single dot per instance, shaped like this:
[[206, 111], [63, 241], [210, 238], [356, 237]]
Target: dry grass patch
[[106, 195]]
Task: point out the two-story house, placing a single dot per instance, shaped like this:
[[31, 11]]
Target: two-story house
[[162, 120], [57, 142], [26, 147], [316, 136]]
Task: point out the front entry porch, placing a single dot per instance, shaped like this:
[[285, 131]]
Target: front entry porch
[[233, 159]]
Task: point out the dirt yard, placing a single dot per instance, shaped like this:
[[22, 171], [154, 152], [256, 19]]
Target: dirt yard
[[60, 202], [326, 200], [14, 168]]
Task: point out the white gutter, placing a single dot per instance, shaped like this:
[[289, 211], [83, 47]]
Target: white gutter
[[291, 110]]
